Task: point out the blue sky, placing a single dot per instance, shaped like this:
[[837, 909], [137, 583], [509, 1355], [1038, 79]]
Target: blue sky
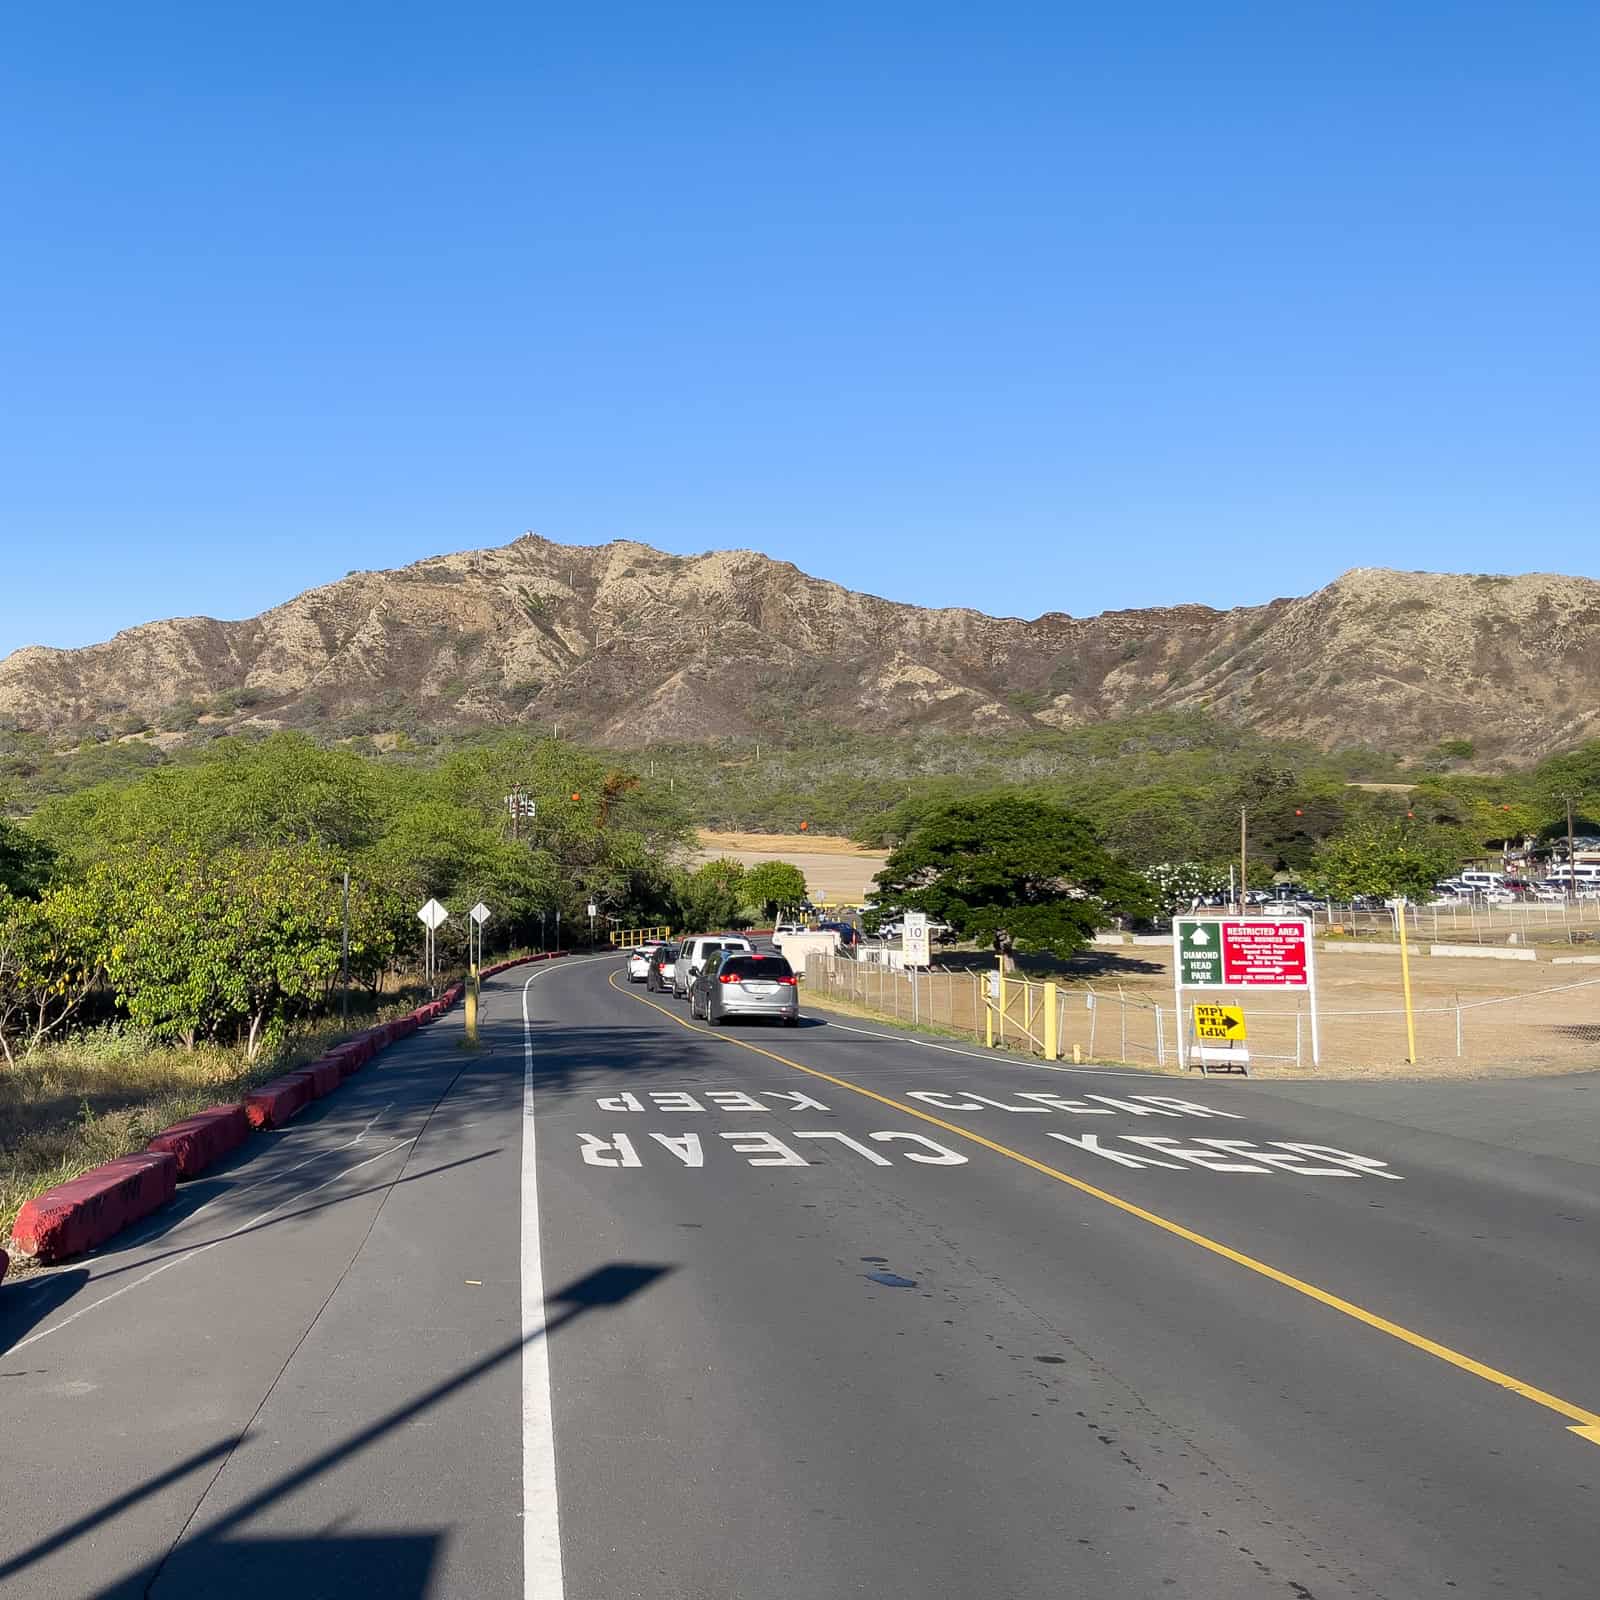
[[1043, 307]]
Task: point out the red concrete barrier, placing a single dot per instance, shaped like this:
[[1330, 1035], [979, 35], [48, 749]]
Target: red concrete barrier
[[349, 1058], [204, 1139], [322, 1077], [76, 1216], [274, 1103]]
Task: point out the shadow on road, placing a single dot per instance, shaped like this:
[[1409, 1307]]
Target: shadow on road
[[215, 1561], [24, 1305], [10, 1336]]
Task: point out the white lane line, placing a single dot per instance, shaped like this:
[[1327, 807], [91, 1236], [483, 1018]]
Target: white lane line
[[200, 1249], [541, 1519], [992, 1057]]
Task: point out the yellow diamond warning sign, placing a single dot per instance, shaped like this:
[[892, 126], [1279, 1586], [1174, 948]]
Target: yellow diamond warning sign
[[1219, 1022]]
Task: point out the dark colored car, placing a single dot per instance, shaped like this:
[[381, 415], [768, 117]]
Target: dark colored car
[[737, 983], [658, 975], [847, 934]]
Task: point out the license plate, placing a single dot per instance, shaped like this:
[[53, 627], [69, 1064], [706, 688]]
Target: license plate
[[762, 988]]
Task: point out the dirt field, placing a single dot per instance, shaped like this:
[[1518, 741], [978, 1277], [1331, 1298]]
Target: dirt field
[[837, 870], [1474, 1018]]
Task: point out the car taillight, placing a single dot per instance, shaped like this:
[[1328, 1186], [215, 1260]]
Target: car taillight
[[730, 977], [790, 979]]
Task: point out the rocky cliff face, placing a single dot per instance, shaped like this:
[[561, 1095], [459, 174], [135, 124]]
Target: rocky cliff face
[[624, 644]]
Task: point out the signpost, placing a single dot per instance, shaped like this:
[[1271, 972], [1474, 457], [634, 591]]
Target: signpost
[[914, 938], [480, 914], [1221, 952], [433, 916]]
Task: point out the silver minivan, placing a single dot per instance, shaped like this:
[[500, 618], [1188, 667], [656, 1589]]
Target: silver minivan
[[740, 984], [693, 953]]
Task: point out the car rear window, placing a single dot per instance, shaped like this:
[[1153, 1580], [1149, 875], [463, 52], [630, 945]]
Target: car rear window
[[665, 952], [756, 967]]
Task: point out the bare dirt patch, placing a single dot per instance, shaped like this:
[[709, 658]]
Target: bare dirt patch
[[837, 870], [1473, 1018]]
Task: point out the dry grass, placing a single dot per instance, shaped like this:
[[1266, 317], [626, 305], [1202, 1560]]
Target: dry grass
[[1516, 1018], [105, 1093], [777, 846], [837, 870]]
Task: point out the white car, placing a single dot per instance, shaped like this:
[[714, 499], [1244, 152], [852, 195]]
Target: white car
[[692, 955], [787, 927], [639, 962]]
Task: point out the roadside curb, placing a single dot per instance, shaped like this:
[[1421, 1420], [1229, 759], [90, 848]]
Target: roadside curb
[[76, 1216], [204, 1138]]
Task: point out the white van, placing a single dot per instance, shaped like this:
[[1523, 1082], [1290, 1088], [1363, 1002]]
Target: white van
[[1475, 882], [692, 953], [1587, 874]]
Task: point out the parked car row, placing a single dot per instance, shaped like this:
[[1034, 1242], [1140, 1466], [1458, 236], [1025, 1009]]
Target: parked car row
[[722, 976]]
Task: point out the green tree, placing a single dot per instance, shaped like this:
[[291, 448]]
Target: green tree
[[772, 886], [1019, 872], [26, 862], [1383, 859], [278, 790], [712, 896], [236, 939], [51, 957]]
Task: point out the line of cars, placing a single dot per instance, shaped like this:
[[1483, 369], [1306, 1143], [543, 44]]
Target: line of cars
[[722, 976], [1581, 881]]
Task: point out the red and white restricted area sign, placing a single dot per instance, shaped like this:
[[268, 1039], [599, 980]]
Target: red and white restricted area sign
[[1241, 953], [1219, 952], [1270, 953]]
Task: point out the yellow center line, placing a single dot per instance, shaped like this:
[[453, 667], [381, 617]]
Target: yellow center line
[[1586, 1423]]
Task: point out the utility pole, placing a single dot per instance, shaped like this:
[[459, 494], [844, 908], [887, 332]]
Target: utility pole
[[1244, 851], [1572, 858], [344, 956]]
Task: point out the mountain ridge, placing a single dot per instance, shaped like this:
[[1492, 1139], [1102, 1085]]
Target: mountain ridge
[[624, 644]]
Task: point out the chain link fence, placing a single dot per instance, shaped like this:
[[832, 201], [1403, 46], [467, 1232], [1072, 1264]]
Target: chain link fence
[[1559, 922], [1559, 1022]]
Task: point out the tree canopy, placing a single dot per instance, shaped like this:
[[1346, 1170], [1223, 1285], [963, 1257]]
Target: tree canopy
[[774, 886], [1015, 871], [1382, 859]]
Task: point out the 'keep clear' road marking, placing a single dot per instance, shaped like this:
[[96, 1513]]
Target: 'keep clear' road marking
[[1584, 1422], [763, 1149], [1210, 1155], [720, 1100]]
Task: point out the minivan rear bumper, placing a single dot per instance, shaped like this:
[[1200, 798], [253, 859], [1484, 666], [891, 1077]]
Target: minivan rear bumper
[[786, 1004]]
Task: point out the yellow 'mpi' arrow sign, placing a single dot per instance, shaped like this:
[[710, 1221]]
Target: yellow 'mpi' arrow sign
[[1219, 1022]]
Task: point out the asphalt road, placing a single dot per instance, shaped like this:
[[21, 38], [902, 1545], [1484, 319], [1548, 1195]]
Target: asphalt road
[[625, 1306]]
